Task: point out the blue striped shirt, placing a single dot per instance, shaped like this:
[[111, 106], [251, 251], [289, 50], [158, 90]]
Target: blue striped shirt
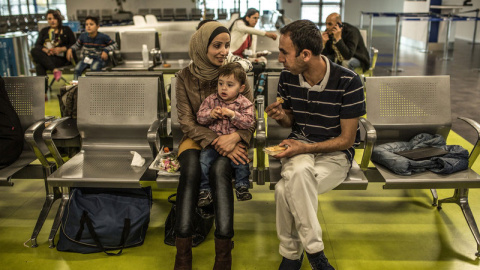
[[317, 110], [93, 47]]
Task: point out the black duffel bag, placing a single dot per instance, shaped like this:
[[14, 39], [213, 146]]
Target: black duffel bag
[[202, 221], [100, 220]]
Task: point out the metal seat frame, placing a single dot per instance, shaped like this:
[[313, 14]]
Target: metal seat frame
[[26, 96], [116, 115], [401, 107]]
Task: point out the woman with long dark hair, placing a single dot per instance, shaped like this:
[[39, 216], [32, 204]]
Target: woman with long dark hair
[[244, 33], [52, 43]]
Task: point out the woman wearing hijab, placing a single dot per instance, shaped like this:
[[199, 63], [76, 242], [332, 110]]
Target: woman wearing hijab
[[243, 29], [52, 43], [209, 47]]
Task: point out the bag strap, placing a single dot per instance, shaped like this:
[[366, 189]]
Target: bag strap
[[170, 198], [123, 240]]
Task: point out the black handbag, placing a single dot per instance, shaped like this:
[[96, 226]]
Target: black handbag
[[203, 221], [98, 219]]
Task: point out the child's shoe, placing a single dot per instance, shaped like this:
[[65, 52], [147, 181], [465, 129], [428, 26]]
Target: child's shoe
[[205, 198], [243, 194], [57, 74]]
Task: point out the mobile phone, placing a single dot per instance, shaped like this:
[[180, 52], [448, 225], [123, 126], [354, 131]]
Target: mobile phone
[[340, 25]]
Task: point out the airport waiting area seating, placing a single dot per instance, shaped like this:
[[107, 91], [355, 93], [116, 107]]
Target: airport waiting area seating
[[398, 108], [157, 12], [139, 20], [129, 56], [402, 107], [196, 14], [175, 45], [222, 14], [27, 97], [106, 16], [143, 11], [181, 14], [369, 72], [116, 115], [168, 14], [209, 14], [114, 120]]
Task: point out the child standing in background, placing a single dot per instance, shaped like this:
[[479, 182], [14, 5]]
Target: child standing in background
[[96, 47]]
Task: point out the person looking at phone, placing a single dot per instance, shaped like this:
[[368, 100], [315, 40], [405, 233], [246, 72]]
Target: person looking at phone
[[343, 44]]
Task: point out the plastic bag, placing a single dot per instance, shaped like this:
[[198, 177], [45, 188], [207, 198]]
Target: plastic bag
[[166, 163]]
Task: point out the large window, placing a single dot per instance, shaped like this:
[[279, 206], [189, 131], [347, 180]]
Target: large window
[[318, 10], [19, 7]]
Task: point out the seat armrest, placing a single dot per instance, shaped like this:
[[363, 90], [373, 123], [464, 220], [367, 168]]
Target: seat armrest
[[47, 137], [374, 58], [260, 130], [115, 57], [476, 148], [30, 134], [370, 138], [260, 137], [157, 128]]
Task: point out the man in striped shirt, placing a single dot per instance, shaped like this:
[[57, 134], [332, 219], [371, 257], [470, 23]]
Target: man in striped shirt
[[322, 104]]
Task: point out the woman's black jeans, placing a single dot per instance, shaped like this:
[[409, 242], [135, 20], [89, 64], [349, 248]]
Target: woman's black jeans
[[188, 189], [44, 62]]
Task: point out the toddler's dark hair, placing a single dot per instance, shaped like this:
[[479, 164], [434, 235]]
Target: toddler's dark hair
[[235, 69]]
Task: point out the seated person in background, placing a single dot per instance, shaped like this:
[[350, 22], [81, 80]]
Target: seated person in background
[[343, 44], [226, 112], [242, 30], [51, 45], [96, 47]]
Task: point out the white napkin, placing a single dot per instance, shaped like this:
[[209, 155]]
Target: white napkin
[[137, 160]]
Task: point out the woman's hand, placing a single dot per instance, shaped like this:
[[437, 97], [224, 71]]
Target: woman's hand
[[57, 50], [271, 35], [49, 52], [226, 143], [69, 55], [104, 56], [239, 154]]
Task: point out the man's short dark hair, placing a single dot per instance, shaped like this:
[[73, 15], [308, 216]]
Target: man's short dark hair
[[304, 35], [235, 69], [94, 19]]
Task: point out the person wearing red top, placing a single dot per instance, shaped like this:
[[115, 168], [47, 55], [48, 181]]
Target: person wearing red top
[[244, 34], [225, 112]]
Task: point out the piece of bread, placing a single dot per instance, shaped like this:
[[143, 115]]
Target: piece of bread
[[279, 99], [274, 150], [167, 65]]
